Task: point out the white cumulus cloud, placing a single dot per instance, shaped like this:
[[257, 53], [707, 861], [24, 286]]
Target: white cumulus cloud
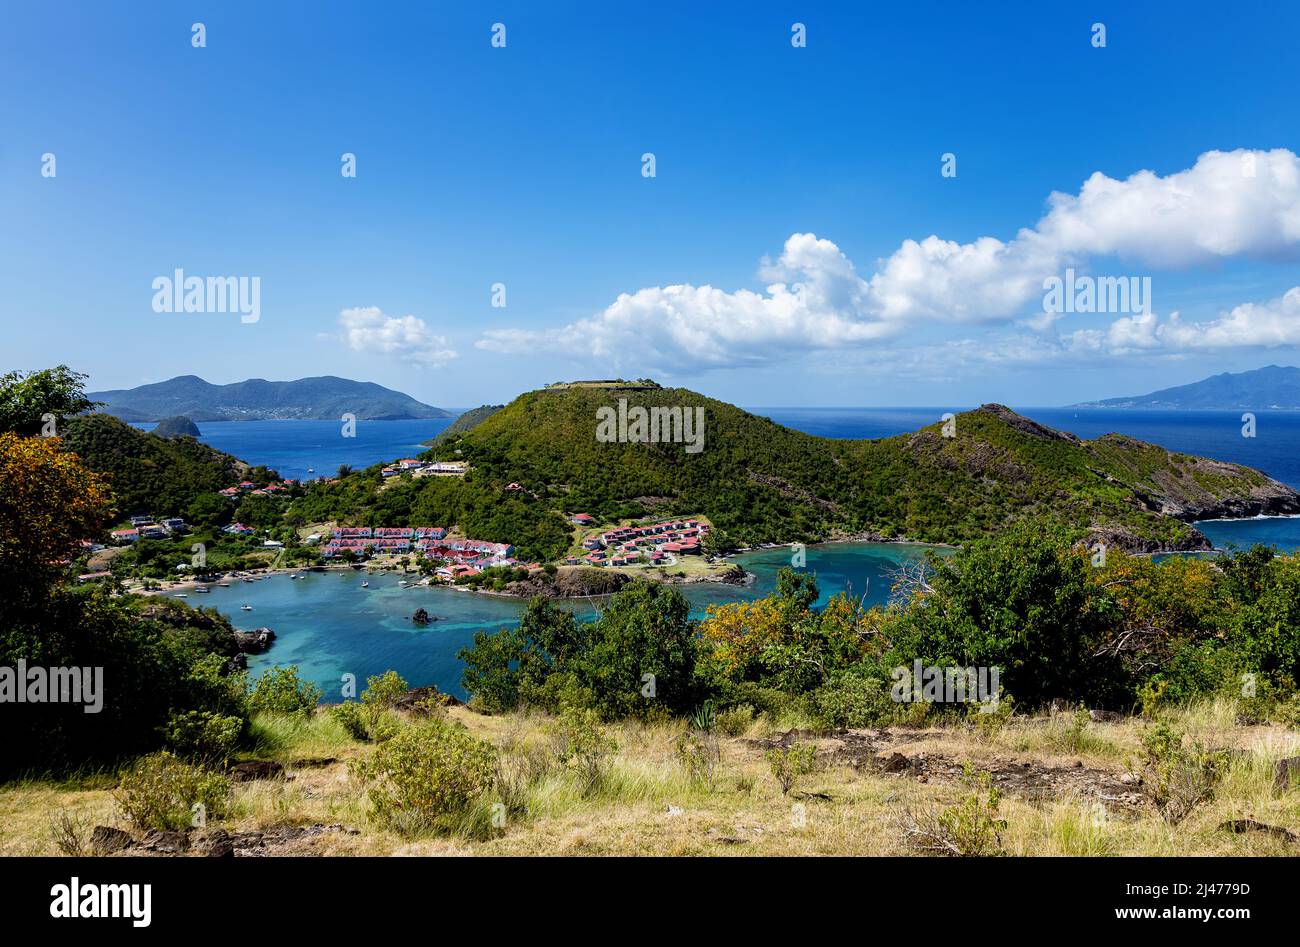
[[1238, 204], [368, 329]]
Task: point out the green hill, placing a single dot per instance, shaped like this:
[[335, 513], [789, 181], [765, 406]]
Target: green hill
[[761, 482], [464, 422], [154, 475]]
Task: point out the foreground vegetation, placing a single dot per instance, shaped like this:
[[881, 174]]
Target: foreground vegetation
[[647, 798], [1142, 707]]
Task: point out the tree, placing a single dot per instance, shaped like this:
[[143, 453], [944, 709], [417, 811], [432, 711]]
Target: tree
[[716, 542], [258, 509], [1023, 602], [641, 653], [49, 504], [25, 399], [209, 510]]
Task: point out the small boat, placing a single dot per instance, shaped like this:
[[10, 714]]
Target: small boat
[[181, 595], [365, 585], [201, 588], [248, 580], [224, 585], [403, 582], [245, 608]]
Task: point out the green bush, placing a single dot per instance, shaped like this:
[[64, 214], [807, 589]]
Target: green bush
[[583, 745], [162, 792], [736, 720], [425, 775], [971, 828], [279, 689], [383, 691], [203, 735], [1177, 775], [790, 762], [698, 752], [353, 718], [851, 699]]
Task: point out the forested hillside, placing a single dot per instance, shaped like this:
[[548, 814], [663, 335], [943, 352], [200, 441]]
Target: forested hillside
[[148, 474], [762, 482]]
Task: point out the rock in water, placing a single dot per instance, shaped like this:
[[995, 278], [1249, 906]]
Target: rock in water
[[421, 617], [255, 641]]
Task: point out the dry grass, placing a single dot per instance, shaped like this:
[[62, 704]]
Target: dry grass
[[647, 803]]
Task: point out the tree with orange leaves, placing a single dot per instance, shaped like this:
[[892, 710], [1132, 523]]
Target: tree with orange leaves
[[49, 503]]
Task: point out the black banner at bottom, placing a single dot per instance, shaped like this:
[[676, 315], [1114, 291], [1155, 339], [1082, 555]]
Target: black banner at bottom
[[140, 896]]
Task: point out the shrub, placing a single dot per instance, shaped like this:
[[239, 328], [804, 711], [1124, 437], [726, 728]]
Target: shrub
[[279, 689], [736, 720], [791, 762], [1287, 713], [990, 720], [1177, 776], [353, 718], [69, 834], [971, 828], [163, 792], [426, 775], [203, 735], [385, 690], [852, 699], [583, 745], [698, 752]]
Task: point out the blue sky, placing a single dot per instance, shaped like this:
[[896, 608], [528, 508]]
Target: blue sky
[[478, 165]]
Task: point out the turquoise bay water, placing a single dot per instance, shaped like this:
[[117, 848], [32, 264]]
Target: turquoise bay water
[[328, 625]]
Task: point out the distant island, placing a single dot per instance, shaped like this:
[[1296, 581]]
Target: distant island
[[324, 398], [178, 426], [1274, 386]]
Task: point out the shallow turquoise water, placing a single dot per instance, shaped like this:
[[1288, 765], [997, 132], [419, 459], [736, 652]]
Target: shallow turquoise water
[[328, 625]]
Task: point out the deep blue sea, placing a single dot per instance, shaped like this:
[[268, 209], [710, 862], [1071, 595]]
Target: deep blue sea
[[329, 625], [305, 450]]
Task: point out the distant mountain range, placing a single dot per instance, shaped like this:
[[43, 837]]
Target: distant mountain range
[[326, 397], [1272, 387]]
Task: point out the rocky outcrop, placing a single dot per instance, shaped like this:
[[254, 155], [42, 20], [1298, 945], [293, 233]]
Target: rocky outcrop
[[1286, 774], [255, 769], [578, 582], [1118, 538], [106, 840], [422, 701], [213, 842], [254, 642], [1024, 425], [421, 617]]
